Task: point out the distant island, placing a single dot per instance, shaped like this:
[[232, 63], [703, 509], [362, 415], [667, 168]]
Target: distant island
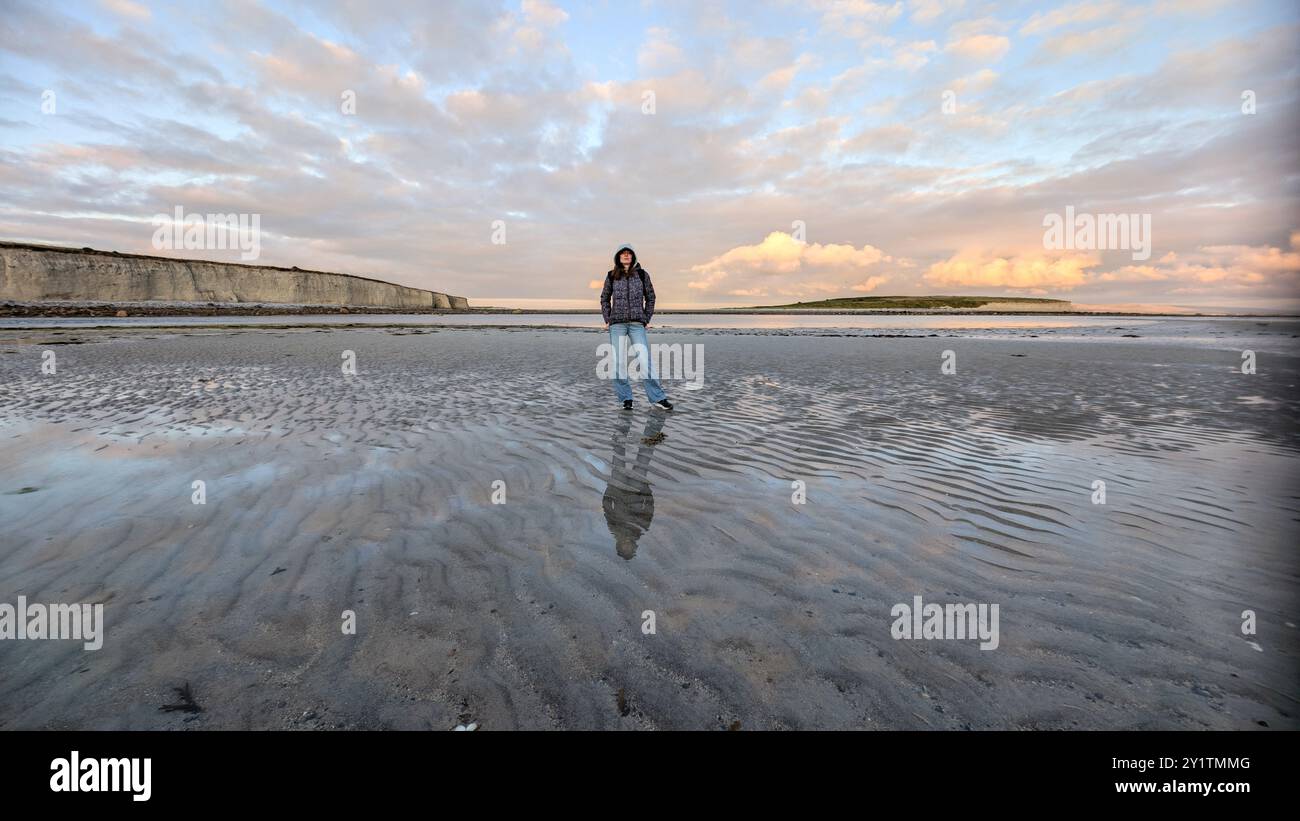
[[929, 303]]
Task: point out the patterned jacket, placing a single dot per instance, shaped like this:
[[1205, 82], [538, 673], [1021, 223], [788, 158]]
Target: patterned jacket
[[628, 299]]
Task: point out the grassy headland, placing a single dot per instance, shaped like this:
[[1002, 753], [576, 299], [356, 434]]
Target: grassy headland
[[921, 303]]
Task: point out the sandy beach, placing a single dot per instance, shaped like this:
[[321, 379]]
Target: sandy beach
[[374, 493]]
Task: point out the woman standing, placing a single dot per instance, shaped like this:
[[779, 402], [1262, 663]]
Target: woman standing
[[627, 302]]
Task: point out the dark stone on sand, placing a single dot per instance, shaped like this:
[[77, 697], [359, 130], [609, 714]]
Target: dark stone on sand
[[185, 701]]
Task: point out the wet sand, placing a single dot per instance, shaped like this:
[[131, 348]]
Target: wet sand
[[374, 493]]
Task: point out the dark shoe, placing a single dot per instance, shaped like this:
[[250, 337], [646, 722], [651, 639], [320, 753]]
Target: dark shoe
[[664, 404], [627, 404]]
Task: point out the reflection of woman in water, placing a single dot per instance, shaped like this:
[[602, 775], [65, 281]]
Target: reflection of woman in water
[[629, 503]]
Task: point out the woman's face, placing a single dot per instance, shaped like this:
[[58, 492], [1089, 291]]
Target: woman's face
[[625, 257]]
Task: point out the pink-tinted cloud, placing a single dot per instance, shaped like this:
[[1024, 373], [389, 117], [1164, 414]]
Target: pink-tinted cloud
[[1035, 271], [782, 261]]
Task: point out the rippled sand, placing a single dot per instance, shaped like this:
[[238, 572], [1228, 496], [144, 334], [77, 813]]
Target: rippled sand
[[374, 493]]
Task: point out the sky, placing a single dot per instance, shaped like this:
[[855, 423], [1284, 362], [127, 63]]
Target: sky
[[752, 152]]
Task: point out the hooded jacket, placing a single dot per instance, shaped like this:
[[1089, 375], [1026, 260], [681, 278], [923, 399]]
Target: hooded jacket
[[630, 298]]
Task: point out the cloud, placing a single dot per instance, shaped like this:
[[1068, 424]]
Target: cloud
[[126, 8], [979, 81], [1105, 40], [782, 257], [779, 79], [887, 139], [913, 55], [660, 52], [708, 281], [810, 139], [1070, 14], [1212, 269], [1220, 269], [927, 11], [857, 18], [541, 13], [986, 48], [1030, 270], [870, 283]]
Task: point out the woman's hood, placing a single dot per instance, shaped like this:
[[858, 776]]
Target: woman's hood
[[620, 250]]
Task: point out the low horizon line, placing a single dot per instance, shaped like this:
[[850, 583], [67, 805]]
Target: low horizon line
[[581, 304]]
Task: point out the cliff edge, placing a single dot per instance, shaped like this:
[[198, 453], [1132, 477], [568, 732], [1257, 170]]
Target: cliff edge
[[46, 273]]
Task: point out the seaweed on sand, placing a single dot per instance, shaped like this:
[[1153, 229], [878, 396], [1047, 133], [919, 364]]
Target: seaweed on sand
[[185, 704]]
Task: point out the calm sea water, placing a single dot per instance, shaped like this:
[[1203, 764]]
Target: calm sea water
[[1273, 334], [739, 321]]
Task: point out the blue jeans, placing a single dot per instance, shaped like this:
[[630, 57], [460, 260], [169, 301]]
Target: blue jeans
[[630, 336]]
